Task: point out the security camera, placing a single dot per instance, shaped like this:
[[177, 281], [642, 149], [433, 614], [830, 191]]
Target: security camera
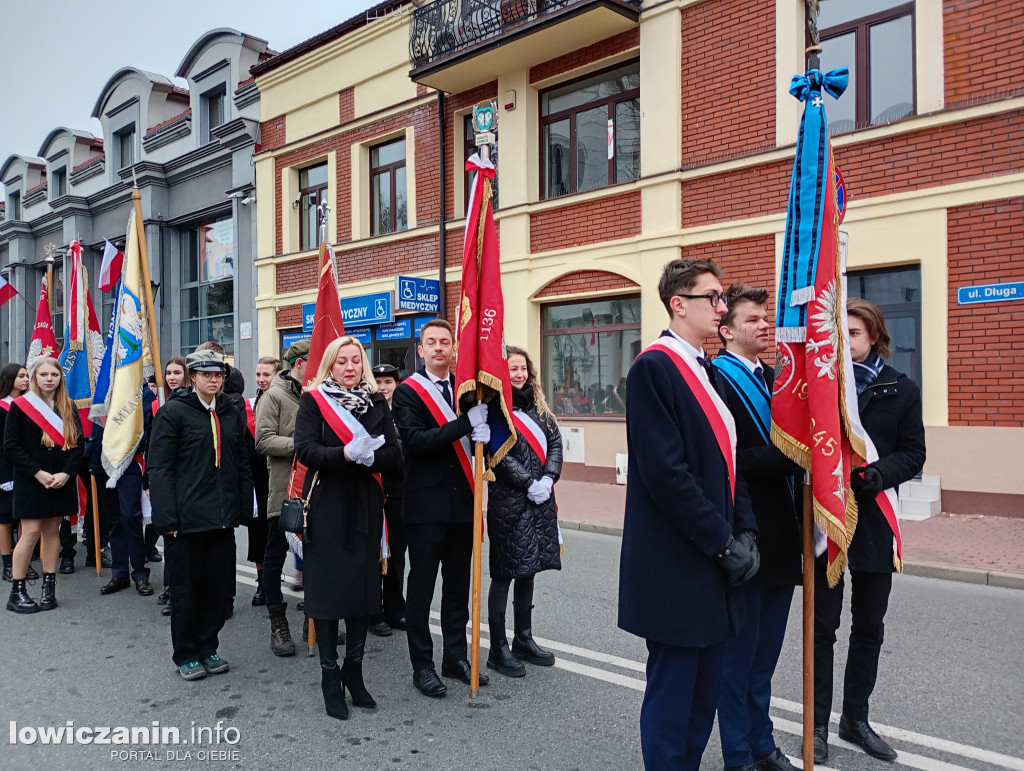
[[248, 200]]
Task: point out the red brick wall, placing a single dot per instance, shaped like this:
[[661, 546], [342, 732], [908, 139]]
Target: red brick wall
[[986, 362], [750, 260], [586, 281], [296, 276], [956, 152], [624, 41], [272, 133], [590, 222], [346, 105], [289, 316], [723, 116], [984, 49]]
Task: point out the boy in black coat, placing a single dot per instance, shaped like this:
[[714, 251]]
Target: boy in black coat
[[688, 538], [750, 657], [200, 482]]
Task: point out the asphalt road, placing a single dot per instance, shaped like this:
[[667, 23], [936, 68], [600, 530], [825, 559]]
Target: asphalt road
[[949, 695]]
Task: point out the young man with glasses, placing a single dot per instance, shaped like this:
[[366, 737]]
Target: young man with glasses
[[688, 539], [200, 486]]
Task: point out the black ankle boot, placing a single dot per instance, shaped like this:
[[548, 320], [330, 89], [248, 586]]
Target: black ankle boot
[[48, 600], [334, 693], [352, 669], [7, 567], [258, 600], [500, 658], [524, 647], [19, 601]]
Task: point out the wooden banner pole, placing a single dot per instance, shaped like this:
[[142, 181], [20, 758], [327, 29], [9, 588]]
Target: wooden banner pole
[[478, 537], [147, 288], [808, 629]]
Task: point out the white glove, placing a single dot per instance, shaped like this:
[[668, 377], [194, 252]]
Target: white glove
[[478, 415], [362, 448], [482, 432], [540, 490], [7, 486]]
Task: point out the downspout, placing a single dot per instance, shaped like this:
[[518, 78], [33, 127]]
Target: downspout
[[443, 204]]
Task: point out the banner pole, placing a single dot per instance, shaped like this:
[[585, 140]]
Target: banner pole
[[478, 537], [147, 288], [96, 524], [808, 628]]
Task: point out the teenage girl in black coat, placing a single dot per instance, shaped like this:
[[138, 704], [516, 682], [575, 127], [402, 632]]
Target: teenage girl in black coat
[[13, 383]]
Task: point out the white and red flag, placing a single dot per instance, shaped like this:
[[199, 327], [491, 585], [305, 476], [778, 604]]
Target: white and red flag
[[7, 290], [84, 345], [110, 270]]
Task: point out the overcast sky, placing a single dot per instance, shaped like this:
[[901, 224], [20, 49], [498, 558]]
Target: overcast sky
[[58, 54]]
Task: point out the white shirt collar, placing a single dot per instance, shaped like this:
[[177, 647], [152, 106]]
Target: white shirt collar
[[212, 406], [751, 365], [435, 379], [694, 352]]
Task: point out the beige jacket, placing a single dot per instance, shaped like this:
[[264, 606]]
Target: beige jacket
[[275, 429]]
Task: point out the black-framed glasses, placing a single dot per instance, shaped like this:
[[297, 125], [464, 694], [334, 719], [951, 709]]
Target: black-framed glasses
[[714, 297]]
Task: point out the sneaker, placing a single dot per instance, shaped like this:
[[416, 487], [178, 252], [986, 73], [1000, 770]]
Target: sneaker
[[215, 665], [192, 670]]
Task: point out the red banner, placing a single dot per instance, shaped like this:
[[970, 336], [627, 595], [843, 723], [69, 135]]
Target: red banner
[[328, 324], [43, 342]]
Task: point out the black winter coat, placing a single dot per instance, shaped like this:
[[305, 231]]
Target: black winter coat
[[6, 470], [523, 534], [890, 411], [680, 514], [190, 493], [772, 480], [341, 551], [25, 452]]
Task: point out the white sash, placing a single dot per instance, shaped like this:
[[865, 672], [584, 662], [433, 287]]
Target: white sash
[[351, 421], [537, 439], [45, 417]]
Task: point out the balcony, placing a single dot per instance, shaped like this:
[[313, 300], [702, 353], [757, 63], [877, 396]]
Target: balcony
[[457, 44]]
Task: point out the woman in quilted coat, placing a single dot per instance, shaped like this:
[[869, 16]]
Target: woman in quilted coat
[[522, 520]]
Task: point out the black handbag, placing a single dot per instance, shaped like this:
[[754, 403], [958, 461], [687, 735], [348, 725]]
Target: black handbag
[[295, 511]]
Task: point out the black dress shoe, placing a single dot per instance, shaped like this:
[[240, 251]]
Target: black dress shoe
[[398, 623], [164, 597], [820, 743], [381, 629], [463, 672], [165, 610], [153, 555], [751, 767], [116, 584], [67, 567], [774, 761], [144, 588], [428, 683], [860, 733]]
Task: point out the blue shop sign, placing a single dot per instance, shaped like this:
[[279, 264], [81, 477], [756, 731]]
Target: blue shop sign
[[418, 326], [287, 341], [363, 334], [418, 294], [990, 293], [400, 330], [357, 311]]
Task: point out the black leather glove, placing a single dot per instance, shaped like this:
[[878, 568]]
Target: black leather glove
[[739, 559], [866, 481]]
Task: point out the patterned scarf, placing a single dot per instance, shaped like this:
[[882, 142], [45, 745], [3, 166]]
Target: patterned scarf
[[355, 400], [865, 372]]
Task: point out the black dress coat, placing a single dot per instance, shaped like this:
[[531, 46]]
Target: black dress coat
[[523, 534], [190, 494], [437, 491], [6, 474], [772, 481], [679, 515], [24, 450], [341, 550], [890, 411]]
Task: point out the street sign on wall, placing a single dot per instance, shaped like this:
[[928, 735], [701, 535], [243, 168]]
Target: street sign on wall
[[418, 294]]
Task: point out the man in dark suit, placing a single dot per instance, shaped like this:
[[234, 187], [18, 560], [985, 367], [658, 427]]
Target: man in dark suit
[[688, 538], [772, 481], [438, 507]]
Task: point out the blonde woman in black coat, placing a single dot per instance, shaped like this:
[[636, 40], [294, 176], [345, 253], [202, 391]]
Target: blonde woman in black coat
[[522, 520], [43, 441], [346, 438]]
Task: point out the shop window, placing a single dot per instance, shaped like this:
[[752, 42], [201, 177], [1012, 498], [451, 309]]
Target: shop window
[[590, 132], [388, 195], [897, 293], [588, 347], [469, 147], [875, 39], [312, 193], [207, 285]]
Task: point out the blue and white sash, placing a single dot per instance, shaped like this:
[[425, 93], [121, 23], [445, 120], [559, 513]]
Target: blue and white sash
[[751, 389]]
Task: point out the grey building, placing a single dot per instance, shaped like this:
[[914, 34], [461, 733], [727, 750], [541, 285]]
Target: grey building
[[190, 150]]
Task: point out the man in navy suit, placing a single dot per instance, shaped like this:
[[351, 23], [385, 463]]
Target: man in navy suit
[[688, 539], [771, 478]]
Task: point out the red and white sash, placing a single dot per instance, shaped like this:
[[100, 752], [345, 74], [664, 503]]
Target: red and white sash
[[889, 504], [6, 402], [347, 427], [530, 430], [40, 413], [442, 414], [250, 417], [715, 410]]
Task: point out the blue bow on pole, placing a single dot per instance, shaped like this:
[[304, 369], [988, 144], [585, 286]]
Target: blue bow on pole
[[834, 82]]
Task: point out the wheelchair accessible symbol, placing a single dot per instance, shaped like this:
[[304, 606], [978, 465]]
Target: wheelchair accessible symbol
[[407, 289]]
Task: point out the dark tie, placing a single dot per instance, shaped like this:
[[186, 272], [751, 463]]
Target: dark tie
[[446, 390], [759, 374], [705, 362]]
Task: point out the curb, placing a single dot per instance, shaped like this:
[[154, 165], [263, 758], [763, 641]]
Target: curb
[[920, 569]]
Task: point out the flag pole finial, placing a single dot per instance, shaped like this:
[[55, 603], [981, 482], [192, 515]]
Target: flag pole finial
[[814, 49]]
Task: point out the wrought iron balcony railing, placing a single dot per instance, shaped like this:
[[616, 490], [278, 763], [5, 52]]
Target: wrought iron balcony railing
[[444, 28]]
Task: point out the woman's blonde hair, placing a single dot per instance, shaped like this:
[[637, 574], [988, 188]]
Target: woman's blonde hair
[[531, 379], [61, 400], [331, 354]]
